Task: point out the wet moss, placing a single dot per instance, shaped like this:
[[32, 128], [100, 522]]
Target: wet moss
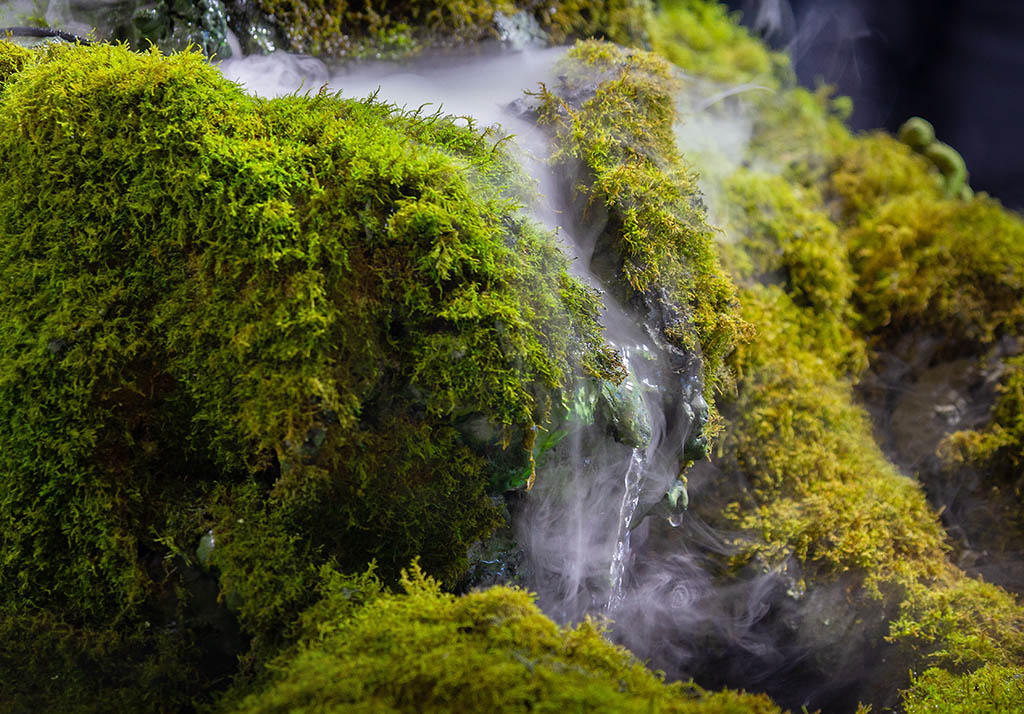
[[615, 137], [425, 650]]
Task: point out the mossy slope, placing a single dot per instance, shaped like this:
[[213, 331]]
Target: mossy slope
[[612, 115]]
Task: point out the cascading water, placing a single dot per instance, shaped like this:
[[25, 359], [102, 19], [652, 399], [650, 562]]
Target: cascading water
[[633, 482], [577, 523]]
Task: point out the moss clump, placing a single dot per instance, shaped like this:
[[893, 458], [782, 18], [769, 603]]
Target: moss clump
[[427, 651], [778, 233], [656, 246], [953, 266], [338, 29], [12, 59], [821, 489], [959, 623], [261, 322], [991, 689], [869, 171], [51, 665]]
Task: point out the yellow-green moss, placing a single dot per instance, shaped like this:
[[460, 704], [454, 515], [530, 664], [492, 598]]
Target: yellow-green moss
[[959, 623], [872, 169], [991, 689], [777, 232], [704, 39], [12, 59], [953, 266], [339, 29], [492, 651], [821, 489], [998, 448], [617, 123]]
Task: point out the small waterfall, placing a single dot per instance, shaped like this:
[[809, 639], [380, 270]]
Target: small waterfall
[[577, 527], [633, 482]]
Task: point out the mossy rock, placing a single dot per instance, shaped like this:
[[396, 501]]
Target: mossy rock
[[264, 319], [427, 651]]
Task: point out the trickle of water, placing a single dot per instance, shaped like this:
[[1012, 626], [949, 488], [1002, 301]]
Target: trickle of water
[[630, 499]]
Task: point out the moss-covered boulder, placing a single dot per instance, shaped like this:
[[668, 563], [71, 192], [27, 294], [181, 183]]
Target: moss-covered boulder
[[612, 114], [252, 329]]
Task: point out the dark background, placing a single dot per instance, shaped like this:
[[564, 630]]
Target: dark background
[[959, 64]]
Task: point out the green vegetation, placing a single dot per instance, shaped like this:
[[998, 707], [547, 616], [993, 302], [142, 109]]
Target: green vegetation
[[493, 651], [702, 38], [338, 29], [989, 690], [262, 323], [855, 241]]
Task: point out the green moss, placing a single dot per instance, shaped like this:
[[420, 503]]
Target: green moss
[[821, 489], [620, 130], [339, 29], [956, 267], [51, 665], [704, 39], [959, 622], [426, 651], [873, 169], [12, 59], [988, 690], [264, 320], [777, 232]]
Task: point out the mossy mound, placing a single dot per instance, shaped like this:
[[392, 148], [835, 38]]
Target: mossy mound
[[493, 651], [341, 30], [848, 243], [262, 321]]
